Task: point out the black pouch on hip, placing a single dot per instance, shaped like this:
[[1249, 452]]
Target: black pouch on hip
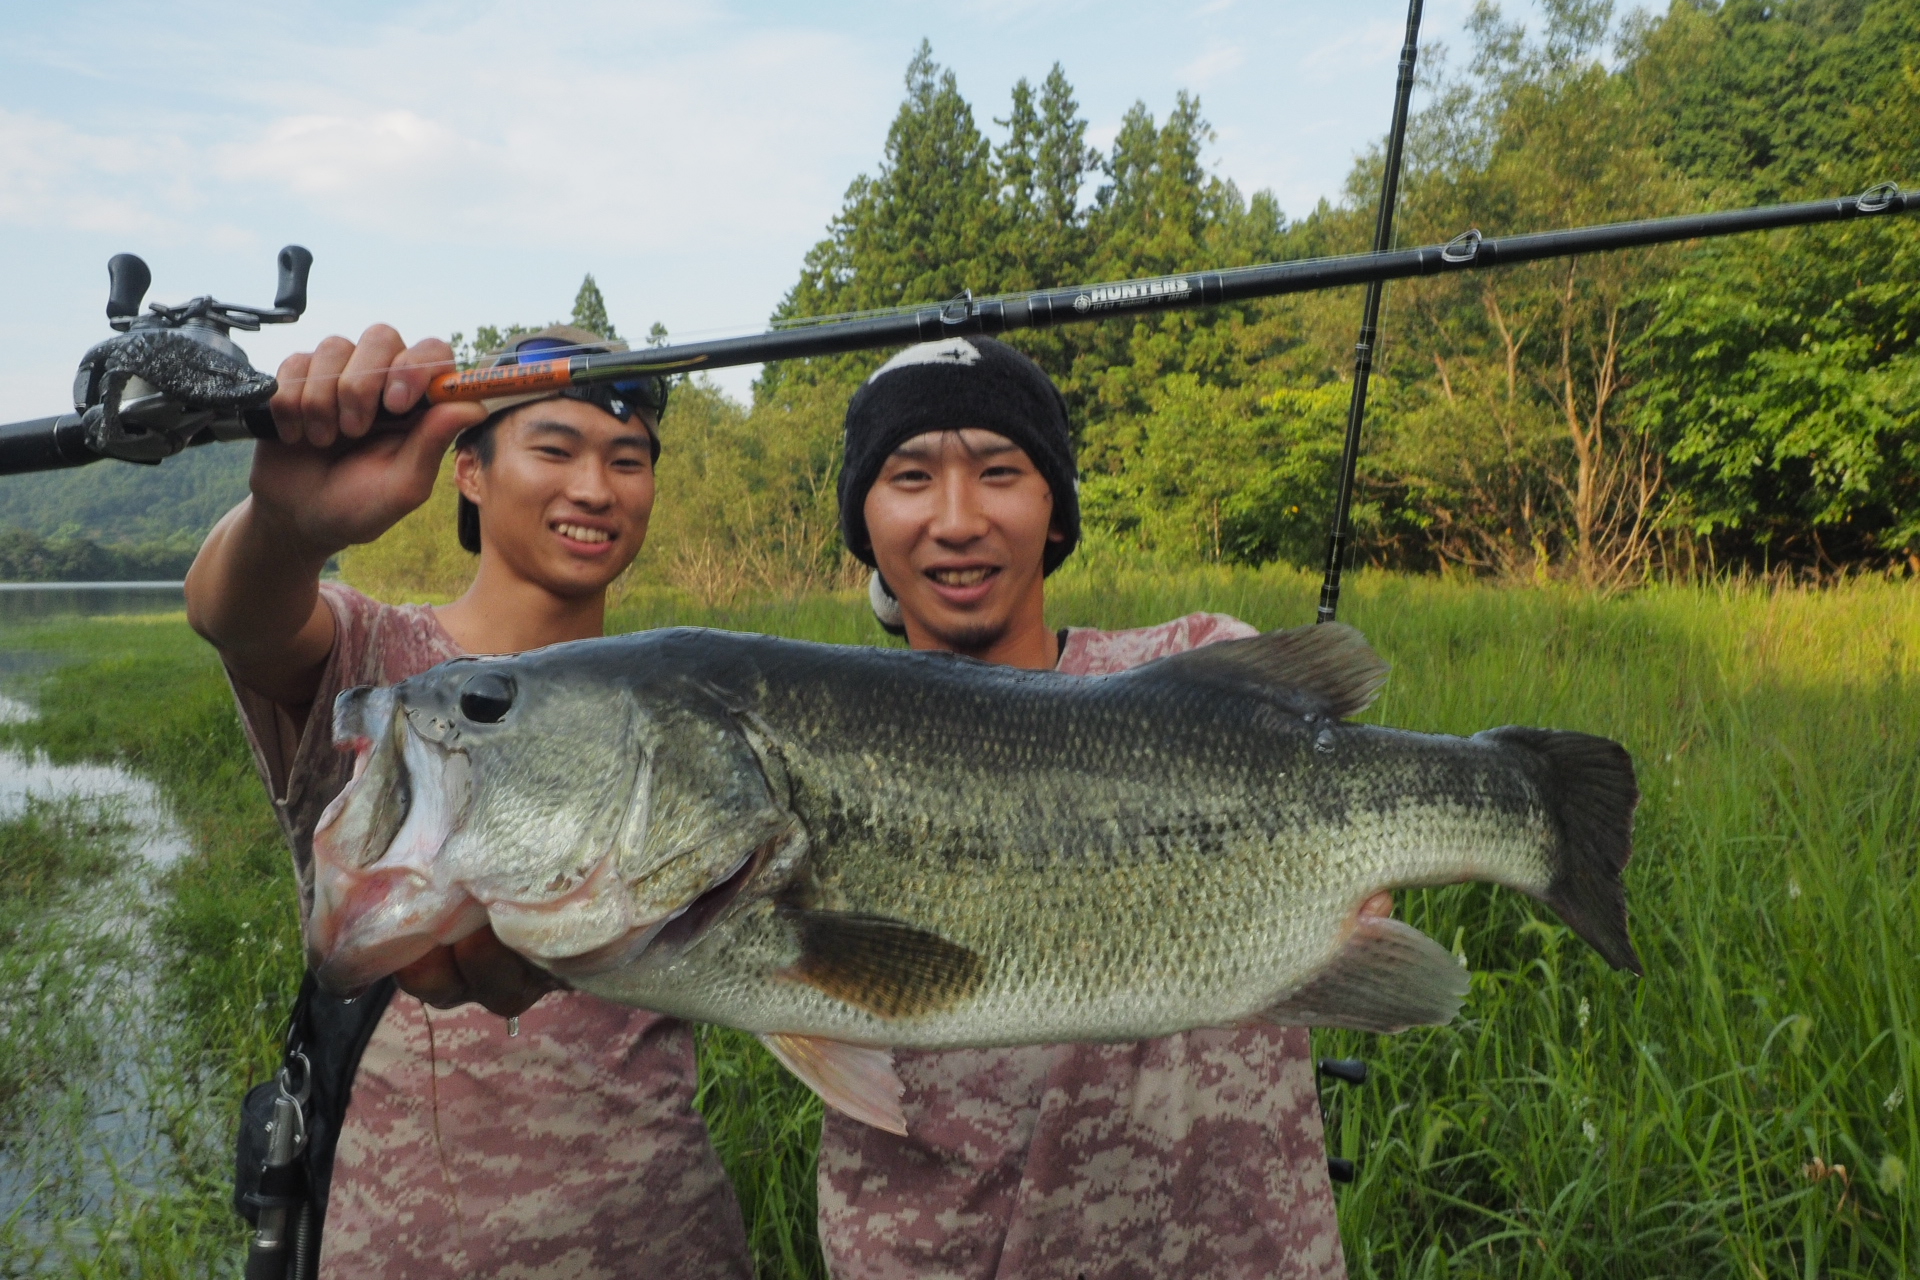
[[326, 1037]]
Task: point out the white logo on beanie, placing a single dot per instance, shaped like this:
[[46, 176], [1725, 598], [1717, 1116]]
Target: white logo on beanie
[[947, 351]]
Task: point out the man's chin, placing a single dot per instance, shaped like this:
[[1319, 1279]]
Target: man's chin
[[576, 579], [966, 635]]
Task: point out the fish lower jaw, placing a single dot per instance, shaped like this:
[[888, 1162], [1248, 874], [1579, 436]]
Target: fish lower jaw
[[369, 924]]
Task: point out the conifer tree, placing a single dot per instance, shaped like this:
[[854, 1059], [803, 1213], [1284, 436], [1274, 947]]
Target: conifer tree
[[590, 309]]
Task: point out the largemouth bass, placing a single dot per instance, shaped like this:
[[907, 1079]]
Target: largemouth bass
[[847, 849]]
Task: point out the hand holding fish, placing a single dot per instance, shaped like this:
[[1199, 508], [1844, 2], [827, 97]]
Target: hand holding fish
[[478, 969]]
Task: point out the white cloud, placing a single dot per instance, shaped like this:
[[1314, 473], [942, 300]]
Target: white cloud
[[1213, 65], [53, 175], [488, 139]]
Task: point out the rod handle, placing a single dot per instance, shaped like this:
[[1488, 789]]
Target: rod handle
[[500, 381]]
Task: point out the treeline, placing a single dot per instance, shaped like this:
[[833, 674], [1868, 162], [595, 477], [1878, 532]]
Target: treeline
[[27, 557], [1745, 402], [113, 502]]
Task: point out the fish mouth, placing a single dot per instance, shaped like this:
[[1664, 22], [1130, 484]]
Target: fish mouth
[[382, 898], [396, 873]]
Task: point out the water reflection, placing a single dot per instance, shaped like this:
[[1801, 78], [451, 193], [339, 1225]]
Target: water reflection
[[157, 839], [31, 601]]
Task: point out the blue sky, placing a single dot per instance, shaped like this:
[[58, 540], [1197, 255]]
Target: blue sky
[[457, 164]]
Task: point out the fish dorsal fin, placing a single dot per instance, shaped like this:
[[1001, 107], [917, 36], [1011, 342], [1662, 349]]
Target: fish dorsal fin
[[887, 967], [1328, 669], [850, 1078]]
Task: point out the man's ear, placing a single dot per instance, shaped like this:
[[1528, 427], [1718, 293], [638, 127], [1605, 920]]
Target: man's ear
[[466, 474]]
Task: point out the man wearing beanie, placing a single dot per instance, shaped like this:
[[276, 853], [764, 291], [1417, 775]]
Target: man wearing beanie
[[1197, 1155], [554, 1139]]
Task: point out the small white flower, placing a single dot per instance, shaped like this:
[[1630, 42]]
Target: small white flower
[[1793, 888], [1586, 1012], [1895, 1098], [1591, 1130]]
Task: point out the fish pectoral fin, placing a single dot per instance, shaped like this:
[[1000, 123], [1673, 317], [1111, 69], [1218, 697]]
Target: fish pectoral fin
[[887, 967], [1389, 976], [1326, 670], [850, 1078]]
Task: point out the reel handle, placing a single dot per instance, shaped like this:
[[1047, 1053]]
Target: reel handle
[[291, 296], [127, 283]]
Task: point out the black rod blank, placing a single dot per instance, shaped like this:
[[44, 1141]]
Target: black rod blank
[[1469, 251], [1369, 323]]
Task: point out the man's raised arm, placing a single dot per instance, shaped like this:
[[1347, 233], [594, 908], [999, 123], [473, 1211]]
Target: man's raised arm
[[325, 485]]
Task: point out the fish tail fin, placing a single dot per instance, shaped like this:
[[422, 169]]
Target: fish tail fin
[[1588, 784]]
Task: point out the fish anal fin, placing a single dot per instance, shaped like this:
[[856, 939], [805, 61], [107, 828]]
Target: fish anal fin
[[1327, 669], [889, 968], [1389, 976], [850, 1078]]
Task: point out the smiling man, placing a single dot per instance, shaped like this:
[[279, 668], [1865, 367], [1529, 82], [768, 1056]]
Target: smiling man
[[563, 1143], [1197, 1155]]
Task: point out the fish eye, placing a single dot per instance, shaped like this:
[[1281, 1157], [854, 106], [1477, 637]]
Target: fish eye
[[487, 697]]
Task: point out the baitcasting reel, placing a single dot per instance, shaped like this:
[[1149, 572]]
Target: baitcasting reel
[[174, 375], [170, 379]]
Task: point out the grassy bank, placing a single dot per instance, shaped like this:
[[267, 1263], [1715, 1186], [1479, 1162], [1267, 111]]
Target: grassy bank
[[148, 694], [1572, 1122]]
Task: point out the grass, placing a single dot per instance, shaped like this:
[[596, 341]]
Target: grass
[[149, 695], [1572, 1122]]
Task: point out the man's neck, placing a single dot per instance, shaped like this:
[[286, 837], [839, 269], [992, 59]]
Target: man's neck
[[504, 613]]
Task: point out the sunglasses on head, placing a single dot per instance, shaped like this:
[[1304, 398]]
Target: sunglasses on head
[[620, 398]]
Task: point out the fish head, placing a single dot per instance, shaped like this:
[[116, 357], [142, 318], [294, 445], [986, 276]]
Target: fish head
[[576, 812], [481, 793]]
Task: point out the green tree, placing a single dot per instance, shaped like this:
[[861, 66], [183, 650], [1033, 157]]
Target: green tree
[[1782, 373], [590, 310], [1503, 440]]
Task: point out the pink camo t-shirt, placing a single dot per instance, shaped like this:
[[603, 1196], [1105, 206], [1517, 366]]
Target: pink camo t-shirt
[[1197, 1155], [569, 1152]]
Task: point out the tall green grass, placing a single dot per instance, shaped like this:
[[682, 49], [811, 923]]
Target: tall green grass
[[1574, 1121]]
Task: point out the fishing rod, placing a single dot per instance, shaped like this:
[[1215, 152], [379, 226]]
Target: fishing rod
[[1369, 322], [173, 378]]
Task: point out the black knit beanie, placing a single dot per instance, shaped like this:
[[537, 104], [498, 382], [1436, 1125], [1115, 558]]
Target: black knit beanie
[[947, 386]]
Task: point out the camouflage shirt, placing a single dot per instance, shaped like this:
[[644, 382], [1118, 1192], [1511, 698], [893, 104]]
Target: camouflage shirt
[[572, 1150], [1197, 1155]]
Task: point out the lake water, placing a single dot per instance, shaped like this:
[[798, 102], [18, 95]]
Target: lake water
[[31, 601]]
